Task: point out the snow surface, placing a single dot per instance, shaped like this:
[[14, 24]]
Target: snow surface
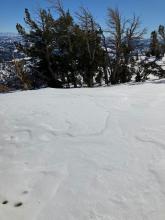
[[83, 154]]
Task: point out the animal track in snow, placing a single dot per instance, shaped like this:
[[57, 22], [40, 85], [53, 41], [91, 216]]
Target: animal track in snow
[[25, 192], [18, 204], [5, 202]]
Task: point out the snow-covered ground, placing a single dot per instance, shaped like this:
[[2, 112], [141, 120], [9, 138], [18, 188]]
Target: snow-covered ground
[[83, 154]]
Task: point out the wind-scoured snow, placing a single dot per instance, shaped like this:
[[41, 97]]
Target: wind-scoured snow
[[83, 154]]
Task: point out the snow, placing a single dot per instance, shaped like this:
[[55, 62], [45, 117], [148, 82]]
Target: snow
[[163, 59], [83, 154]]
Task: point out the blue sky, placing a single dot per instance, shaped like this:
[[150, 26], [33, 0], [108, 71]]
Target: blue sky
[[152, 12]]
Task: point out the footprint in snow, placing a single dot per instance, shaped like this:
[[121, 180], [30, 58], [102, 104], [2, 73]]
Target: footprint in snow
[[5, 202], [18, 204], [25, 192]]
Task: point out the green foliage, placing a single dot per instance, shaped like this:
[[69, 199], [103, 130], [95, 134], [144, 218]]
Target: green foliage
[[61, 48], [66, 53], [155, 45]]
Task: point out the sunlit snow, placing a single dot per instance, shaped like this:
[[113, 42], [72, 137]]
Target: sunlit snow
[[83, 154]]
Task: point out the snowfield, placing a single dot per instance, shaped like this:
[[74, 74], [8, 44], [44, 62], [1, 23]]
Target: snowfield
[[83, 154]]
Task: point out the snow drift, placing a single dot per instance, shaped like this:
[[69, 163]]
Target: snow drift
[[83, 154]]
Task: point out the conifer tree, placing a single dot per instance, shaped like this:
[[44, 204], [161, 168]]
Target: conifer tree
[[161, 32], [92, 54], [154, 45], [41, 44]]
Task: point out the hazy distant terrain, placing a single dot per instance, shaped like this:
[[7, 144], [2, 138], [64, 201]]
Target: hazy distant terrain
[[7, 46]]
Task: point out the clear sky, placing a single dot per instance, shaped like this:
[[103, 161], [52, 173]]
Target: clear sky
[[152, 12]]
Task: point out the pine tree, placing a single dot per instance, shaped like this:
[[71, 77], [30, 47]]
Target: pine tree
[[42, 44], [154, 45], [161, 32], [62, 49], [92, 52]]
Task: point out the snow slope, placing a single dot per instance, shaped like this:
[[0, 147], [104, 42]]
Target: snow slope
[[83, 154]]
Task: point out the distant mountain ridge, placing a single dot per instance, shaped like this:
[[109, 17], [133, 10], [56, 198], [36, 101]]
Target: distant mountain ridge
[[8, 34]]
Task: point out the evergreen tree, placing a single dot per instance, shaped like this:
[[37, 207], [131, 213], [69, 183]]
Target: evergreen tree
[[154, 45], [92, 53], [68, 54], [62, 49], [41, 45], [161, 32]]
